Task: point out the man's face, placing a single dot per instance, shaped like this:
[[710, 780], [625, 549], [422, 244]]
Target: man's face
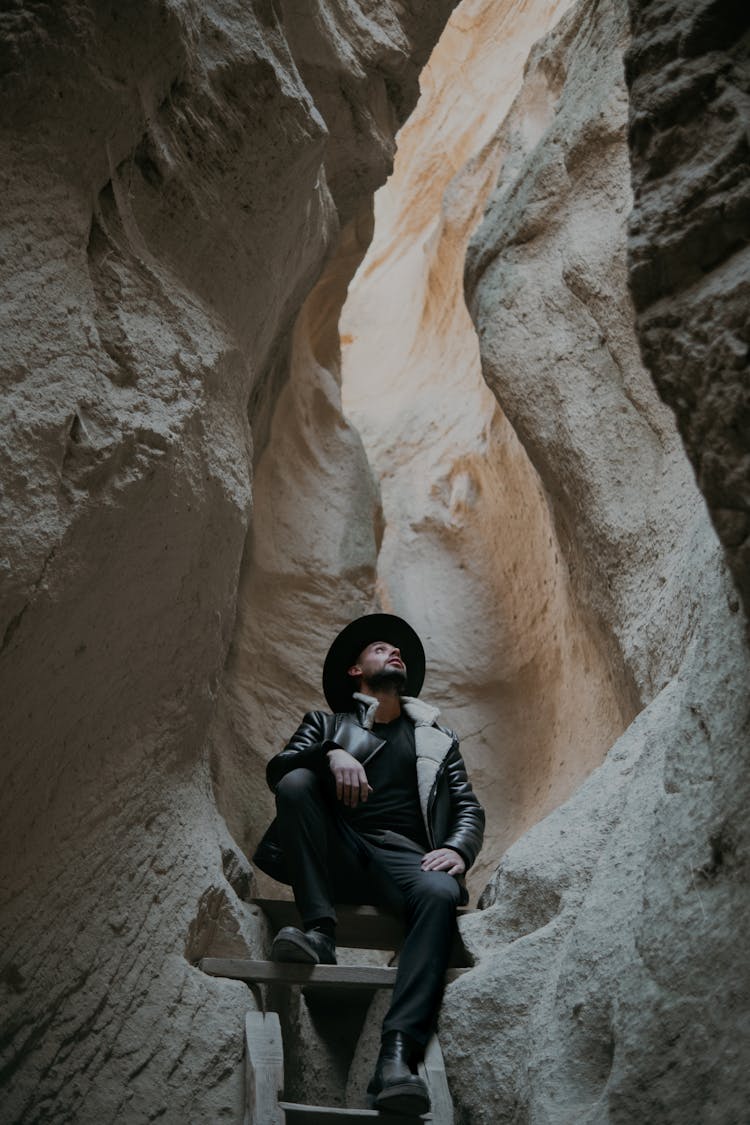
[[380, 664]]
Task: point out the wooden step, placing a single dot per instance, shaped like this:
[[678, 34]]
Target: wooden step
[[359, 927], [292, 973], [295, 1114]]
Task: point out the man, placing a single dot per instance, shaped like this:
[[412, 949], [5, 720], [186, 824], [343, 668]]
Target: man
[[374, 806]]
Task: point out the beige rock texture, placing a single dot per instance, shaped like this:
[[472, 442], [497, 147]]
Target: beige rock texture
[[471, 552], [606, 988], [174, 177], [687, 72], [188, 514], [309, 562], [609, 925]]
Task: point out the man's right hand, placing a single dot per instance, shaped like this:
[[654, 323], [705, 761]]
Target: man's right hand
[[351, 780]]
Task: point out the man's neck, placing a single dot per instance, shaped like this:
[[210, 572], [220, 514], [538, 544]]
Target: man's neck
[[389, 703]]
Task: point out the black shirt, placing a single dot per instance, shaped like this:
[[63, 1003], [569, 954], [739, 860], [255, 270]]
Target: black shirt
[[394, 802]]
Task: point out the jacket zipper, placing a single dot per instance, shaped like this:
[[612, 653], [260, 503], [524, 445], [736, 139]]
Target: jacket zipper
[[431, 798]]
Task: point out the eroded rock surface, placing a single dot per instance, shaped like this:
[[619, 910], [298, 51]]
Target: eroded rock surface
[[309, 563], [546, 282], [606, 986], [688, 74], [470, 550], [173, 178], [623, 999], [186, 197]]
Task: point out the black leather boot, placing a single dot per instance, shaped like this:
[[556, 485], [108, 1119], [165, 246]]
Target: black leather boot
[[309, 948], [394, 1087]]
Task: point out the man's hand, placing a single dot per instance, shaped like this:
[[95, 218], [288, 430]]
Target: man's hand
[[444, 859], [351, 780]]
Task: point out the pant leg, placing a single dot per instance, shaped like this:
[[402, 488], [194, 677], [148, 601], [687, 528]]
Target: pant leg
[[329, 864], [429, 901], [324, 864]]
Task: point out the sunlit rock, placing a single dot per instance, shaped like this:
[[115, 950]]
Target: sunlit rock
[[474, 550]]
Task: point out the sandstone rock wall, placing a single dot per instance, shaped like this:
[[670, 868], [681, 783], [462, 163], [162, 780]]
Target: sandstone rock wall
[[609, 925], [166, 210], [186, 197], [606, 980], [689, 257], [471, 553], [309, 562], [546, 284]]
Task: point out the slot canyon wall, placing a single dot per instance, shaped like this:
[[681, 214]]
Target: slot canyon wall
[[609, 926], [474, 544], [607, 982], [174, 176], [188, 515], [689, 90]]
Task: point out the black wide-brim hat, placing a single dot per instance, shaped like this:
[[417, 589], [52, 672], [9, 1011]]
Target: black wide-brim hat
[[338, 686]]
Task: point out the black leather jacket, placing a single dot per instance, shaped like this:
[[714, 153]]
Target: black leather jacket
[[455, 819]]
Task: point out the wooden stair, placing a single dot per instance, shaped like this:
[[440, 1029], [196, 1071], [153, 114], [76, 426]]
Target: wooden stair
[[336, 977], [361, 927], [327, 1115]]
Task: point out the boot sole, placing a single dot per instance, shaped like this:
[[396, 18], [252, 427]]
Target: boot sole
[[287, 949], [403, 1099]]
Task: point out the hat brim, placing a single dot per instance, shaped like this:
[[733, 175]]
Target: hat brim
[[338, 686]]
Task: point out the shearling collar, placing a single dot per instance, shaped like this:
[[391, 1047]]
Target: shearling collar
[[421, 714]]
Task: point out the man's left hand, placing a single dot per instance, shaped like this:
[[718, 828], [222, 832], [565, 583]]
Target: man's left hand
[[444, 859]]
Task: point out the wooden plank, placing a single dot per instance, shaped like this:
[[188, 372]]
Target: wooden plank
[[292, 973], [328, 1115], [264, 1069], [359, 927], [432, 1070]]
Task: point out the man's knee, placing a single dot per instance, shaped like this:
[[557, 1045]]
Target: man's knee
[[439, 890], [297, 785]]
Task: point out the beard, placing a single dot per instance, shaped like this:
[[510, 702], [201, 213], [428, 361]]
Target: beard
[[388, 679]]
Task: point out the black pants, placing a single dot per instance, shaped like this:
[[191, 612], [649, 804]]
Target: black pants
[[330, 863]]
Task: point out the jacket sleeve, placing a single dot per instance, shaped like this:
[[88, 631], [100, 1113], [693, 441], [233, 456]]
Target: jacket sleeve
[[306, 748], [466, 830]]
